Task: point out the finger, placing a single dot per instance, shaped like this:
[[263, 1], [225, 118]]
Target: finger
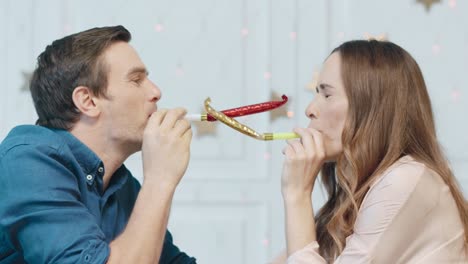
[[157, 117], [317, 136], [284, 149], [181, 126], [296, 145], [288, 151], [171, 117], [187, 135], [307, 141]]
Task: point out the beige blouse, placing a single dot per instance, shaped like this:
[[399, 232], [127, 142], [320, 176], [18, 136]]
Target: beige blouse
[[407, 216]]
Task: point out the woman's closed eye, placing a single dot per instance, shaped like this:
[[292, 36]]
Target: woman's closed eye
[[323, 92]]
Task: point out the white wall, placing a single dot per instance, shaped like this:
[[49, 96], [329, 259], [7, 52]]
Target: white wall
[[228, 208]]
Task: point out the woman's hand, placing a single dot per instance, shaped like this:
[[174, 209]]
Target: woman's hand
[[303, 161]]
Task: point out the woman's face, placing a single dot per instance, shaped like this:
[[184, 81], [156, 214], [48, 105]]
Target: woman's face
[[329, 108]]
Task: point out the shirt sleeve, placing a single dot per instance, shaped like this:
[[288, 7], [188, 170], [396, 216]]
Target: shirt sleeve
[[171, 253], [41, 215], [378, 210]]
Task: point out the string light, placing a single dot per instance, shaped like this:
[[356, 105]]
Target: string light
[[341, 35], [159, 27], [452, 4], [180, 70], [436, 49], [456, 94], [244, 32], [67, 28], [293, 35]]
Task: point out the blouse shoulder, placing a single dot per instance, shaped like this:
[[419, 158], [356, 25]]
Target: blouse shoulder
[[398, 181], [403, 174]]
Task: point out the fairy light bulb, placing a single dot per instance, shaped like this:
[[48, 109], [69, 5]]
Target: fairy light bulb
[[244, 32], [293, 35], [456, 94], [452, 4], [159, 27]]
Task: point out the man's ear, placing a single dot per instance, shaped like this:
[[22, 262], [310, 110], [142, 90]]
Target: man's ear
[[85, 101]]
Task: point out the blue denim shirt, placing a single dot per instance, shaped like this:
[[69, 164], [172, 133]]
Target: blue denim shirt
[[53, 208]]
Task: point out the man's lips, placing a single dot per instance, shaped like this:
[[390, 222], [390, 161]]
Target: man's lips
[[152, 112]]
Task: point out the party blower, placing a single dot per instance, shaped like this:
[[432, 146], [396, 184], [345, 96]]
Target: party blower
[[222, 117], [240, 111]]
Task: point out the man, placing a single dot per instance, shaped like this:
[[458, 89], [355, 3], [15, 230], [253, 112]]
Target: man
[[65, 195]]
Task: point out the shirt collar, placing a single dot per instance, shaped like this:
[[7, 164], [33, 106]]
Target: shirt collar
[[93, 165], [119, 178], [87, 159]]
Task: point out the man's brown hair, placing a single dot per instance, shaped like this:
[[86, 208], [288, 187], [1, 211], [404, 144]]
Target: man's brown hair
[[75, 60]]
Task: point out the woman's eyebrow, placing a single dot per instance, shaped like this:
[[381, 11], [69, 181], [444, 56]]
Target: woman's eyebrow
[[323, 86]]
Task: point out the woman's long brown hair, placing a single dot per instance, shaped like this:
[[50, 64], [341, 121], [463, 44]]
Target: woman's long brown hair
[[389, 116]]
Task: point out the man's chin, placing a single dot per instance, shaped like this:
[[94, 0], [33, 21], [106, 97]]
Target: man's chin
[[133, 146]]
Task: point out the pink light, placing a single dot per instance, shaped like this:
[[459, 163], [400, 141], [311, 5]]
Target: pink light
[[244, 32], [293, 35], [452, 4], [180, 71], [267, 156], [456, 94], [267, 75], [67, 28], [436, 49], [266, 242], [290, 114], [159, 27], [341, 35]]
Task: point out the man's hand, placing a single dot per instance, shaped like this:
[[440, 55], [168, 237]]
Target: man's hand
[[166, 151], [166, 147]]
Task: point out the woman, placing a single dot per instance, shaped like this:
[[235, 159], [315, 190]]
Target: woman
[[392, 197]]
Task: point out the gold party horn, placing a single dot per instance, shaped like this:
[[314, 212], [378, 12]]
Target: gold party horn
[[231, 122]]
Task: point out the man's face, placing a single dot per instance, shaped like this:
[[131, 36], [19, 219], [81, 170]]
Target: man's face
[[131, 96]]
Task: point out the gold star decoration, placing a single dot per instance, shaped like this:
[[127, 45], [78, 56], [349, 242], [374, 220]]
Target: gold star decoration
[[26, 75], [380, 37], [205, 128], [428, 3], [281, 111]]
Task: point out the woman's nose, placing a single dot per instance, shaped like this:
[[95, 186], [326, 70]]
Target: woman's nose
[[311, 111]]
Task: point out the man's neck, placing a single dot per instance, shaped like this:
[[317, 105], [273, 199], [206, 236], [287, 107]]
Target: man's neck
[[111, 155]]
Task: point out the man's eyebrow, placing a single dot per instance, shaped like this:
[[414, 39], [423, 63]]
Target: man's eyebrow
[[137, 70]]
